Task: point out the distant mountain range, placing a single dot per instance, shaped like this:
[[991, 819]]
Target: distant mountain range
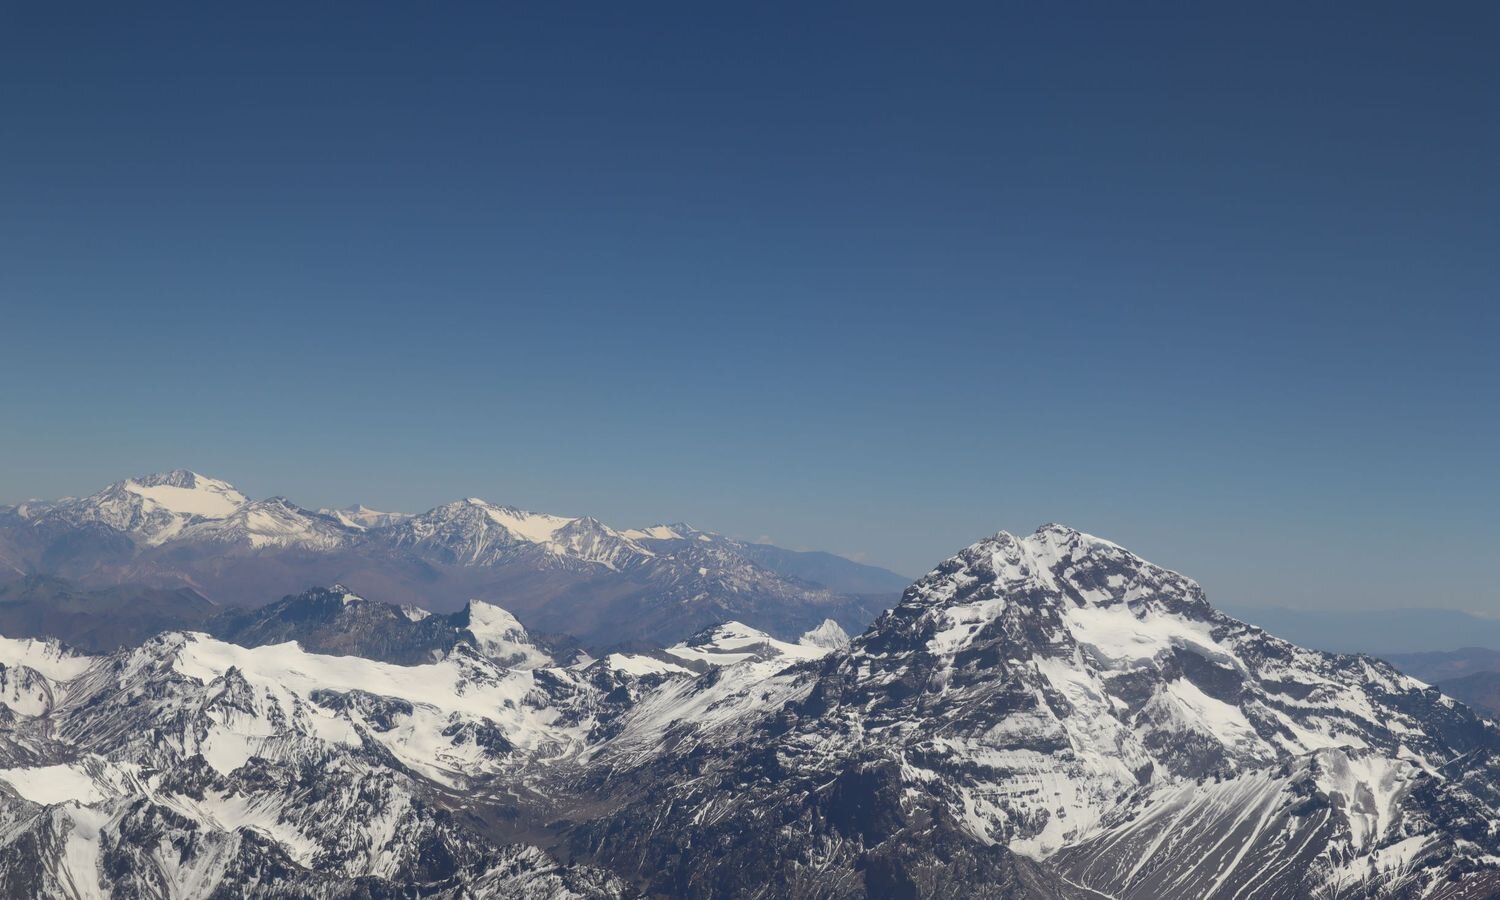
[[1041, 717], [559, 574]]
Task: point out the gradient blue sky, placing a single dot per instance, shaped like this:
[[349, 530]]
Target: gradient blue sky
[[1217, 284]]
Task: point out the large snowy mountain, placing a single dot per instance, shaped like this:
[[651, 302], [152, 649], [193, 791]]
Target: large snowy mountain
[[1046, 716], [559, 574], [152, 509]]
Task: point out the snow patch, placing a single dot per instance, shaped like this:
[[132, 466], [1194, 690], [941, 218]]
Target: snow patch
[[47, 657], [91, 780], [640, 665], [535, 528], [208, 497], [1117, 632]]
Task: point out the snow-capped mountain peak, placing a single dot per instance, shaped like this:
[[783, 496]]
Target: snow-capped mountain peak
[[827, 635], [152, 508], [1055, 561], [500, 636], [1139, 682], [346, 596]]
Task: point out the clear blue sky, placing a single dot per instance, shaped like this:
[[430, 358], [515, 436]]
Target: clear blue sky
[[1218, 284]]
